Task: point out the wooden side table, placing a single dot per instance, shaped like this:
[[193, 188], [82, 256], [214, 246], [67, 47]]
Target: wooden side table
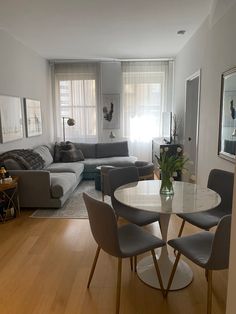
[[9, 197]]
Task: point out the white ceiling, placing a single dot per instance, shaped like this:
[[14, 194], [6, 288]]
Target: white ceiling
[[103, 29]]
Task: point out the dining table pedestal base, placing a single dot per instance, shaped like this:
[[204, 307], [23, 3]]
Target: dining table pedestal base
[[147, 273]]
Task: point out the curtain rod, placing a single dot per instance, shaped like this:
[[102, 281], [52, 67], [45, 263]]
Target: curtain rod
[[107, 60], [151, 59]]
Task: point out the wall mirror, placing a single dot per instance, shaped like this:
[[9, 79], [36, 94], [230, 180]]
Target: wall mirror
[[227, 130]]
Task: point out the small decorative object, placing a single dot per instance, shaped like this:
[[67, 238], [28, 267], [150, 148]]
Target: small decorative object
[[11, 127], [169, 165], [8, 180], [33, 117], [111, 111], [70, 122], [2, 173], [175, 128], [112, 136]]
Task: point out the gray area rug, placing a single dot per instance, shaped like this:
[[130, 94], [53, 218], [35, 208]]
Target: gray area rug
[[74, 207]]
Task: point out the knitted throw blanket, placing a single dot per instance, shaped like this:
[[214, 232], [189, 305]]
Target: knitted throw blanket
[[26, 158]]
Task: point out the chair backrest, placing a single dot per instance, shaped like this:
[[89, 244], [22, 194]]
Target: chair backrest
[[105, 180], [119, 177], [219, 258], [222, 182], [103, 225], [145, 170]]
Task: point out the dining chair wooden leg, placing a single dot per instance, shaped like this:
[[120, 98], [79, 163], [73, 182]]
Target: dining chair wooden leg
[[118, 285], [180, 231], [172, 273], [135, 263], [206, 274], [209, 292], [131, 263], [158, 272], [93, 266], [181, 228]]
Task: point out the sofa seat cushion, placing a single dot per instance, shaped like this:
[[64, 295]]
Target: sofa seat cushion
[[61, 183], [74, 167], [90, 164]]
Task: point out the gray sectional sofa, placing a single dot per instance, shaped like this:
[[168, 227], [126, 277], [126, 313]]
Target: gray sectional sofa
[[49, 185]]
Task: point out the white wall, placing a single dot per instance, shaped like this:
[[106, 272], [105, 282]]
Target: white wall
[[111, 77], [211, 49], [25, 74]]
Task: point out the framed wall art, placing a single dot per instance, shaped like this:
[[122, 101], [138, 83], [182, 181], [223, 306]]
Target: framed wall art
[[33, 117], [227, 129], [11, 122], [111, 111]]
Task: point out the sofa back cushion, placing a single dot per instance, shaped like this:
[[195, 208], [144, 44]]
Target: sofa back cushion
[[112, 149], [44, 152], [88, 149]]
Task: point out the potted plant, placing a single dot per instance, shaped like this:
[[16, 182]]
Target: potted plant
[[169, 165]]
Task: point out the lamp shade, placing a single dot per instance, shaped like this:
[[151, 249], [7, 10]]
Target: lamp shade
[[71, 121]]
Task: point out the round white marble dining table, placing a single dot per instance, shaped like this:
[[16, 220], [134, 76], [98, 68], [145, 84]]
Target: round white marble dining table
[[187, 198]]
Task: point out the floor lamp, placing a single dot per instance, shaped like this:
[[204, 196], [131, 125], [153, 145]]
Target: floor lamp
[[70, 122]]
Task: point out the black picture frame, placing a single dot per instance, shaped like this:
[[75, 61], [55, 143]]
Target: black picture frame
[[227, 121]]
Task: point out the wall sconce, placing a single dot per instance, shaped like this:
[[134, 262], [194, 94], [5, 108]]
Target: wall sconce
[[70, 122]]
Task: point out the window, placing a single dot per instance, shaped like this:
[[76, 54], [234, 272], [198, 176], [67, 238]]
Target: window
[[77, 98], [145, 98], [142, 107]]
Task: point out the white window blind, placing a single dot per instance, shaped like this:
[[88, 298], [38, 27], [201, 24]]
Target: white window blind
[[76, 97], [147, 93]]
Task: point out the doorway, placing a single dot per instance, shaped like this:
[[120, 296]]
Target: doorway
[[191, 124]]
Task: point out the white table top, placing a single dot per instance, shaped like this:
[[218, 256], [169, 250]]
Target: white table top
[[187, 198]]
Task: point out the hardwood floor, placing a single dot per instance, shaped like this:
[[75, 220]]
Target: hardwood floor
[[44, 266]]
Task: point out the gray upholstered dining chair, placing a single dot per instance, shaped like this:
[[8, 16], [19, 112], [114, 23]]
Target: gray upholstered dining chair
[[126, 241], [145, 170], [121, 176], [105, 186], [221, 182], [206, 249]]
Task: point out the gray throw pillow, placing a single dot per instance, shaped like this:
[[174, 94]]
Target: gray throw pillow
[[71, 155], [63, 146]]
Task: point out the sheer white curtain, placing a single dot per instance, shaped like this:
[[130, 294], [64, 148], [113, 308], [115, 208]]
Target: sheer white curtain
[[147, 92], [76, 86]]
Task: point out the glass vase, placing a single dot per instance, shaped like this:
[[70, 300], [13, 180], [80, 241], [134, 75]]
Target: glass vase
[[166, 184]]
